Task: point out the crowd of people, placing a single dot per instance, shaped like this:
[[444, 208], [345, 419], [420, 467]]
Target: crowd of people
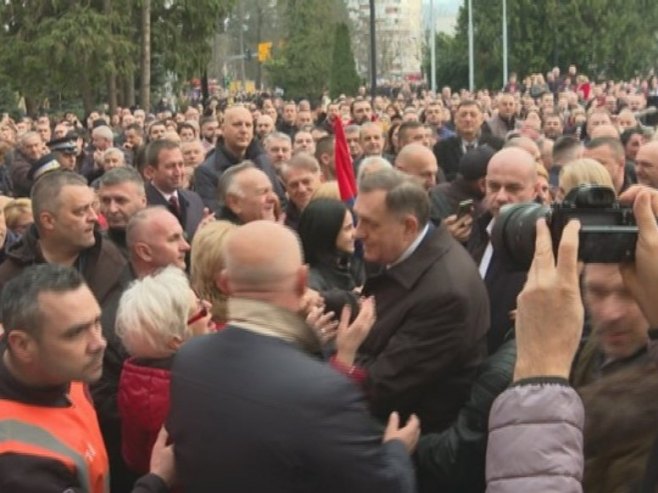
[[190, 302]]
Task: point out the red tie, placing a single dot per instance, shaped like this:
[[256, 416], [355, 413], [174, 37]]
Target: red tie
[[174, 205]]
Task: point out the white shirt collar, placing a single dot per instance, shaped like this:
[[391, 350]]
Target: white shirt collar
[[412, 248]]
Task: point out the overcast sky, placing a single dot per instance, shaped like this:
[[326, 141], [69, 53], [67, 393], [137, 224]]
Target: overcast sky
[[445, 12]]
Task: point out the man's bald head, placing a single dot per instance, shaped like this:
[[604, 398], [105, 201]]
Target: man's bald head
[[274, 274], [527, 144], [235, 112], [646, 164], [418, 161], [511, 178], [605, 130]]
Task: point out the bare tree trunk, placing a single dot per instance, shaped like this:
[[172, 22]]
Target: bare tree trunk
[[145, 65], [129, 89], [111, 77]]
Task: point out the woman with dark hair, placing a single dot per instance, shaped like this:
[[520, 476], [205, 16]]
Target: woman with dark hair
[[326, 229]]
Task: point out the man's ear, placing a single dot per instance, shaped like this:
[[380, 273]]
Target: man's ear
[[233, 203], [143, 251], [22, 346], [149, 171], [223, 283], [46, 220], [302, 279], [411, 226]]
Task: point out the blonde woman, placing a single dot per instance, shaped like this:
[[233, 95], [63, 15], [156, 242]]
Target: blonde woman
[[582, 172], [18, 215], [207, 263]]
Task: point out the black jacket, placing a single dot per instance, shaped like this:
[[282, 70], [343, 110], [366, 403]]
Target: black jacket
[[206, 176], [449, 152], [453, 461], [254, 413]]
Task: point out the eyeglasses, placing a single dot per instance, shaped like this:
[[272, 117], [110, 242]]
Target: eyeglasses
[[202, 313]]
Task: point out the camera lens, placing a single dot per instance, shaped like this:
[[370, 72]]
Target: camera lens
[[514, 233]]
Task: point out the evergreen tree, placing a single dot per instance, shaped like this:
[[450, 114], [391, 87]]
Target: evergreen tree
[[604, 38], [344, 79], [301, 67]]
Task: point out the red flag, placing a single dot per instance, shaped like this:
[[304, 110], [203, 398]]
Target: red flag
[[343, 162]]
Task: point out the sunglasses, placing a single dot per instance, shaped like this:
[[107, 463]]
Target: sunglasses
[[202, 313]]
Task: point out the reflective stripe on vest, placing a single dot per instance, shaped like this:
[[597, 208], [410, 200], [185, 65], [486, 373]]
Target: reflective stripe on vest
[[17, 436], [69, 435]]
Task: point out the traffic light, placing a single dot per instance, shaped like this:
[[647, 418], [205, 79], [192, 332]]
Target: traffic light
[[248, 55], [264, 51]]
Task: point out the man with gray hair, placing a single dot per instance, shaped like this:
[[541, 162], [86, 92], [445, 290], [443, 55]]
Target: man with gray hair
[[102, 138], [246, 195], [372, 164], [30, 148], [432, 309], [278, 147], [121, 194], [302, 177]]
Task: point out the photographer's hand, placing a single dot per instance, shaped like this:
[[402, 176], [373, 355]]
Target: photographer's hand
[[641, 277], [549, 318]]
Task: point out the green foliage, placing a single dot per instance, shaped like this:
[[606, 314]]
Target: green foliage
[[66, 49], [604, 38], [344, 79], [301, 67]]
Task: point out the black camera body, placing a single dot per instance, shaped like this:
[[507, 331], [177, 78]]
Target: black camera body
[[608, 232]]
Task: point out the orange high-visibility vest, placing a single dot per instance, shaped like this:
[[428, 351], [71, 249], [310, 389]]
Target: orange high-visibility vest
[[69, 435]]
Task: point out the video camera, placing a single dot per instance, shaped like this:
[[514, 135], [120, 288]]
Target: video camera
[[608, 231]]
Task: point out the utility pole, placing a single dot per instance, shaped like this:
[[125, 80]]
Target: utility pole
[[471, 61], [433, 47], [243, 78], [505, 70], [373, 52], [145, 86]]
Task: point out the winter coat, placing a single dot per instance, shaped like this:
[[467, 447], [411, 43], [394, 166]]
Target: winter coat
[[143, 406]]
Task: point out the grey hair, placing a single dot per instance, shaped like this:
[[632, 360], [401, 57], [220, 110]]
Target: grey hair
[[301, 161], [152, 311], [403, 194], [370, 165], [19, 302], [276, 136], [26, 136], [116, 151], [103, 131], [139, 218], [227, 183], [46, 191], [124, 174]]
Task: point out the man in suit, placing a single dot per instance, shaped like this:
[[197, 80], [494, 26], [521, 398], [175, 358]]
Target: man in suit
[[275, 417], [511, 179], [468, 124], [165, 170], [432, 307]]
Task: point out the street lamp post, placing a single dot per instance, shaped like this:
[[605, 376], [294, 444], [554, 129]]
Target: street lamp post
[[471, 61], [505, 71], [432, 47], [373, 52]]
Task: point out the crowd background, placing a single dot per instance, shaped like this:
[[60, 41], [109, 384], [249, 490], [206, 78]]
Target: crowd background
[[133, 199]]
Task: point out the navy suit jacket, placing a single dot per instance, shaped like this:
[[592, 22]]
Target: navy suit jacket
[[191, 207]]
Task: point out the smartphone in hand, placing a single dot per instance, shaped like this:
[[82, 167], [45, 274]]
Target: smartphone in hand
[[465, 207]]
